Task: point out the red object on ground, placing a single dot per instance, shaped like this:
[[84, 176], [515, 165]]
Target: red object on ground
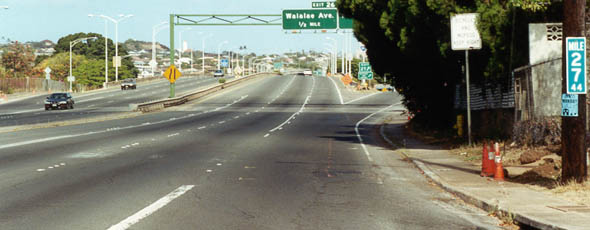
[[487, 163], [499, 174]]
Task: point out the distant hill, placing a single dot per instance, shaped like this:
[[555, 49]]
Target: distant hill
[[135, 45]]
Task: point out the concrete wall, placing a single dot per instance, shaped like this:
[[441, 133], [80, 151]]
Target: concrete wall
[[545, 42]]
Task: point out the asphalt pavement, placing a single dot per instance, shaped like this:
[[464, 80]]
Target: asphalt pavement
[[277, 152], [98, 103]]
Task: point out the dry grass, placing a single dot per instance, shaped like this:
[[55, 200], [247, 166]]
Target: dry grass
[[576, 192]]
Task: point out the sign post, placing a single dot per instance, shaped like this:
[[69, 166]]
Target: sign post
[[71, 79], [365, 72], [172, 74], [47, 73], [465, 36]]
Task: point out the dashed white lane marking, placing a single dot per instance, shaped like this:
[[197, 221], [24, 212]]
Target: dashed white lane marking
[[202, 127], [209, 170], [174, 134], [358, 134], [338, 90], [236, 117], [218, 164], [51, 167], [221, 122], [126, 223], [88, 133], [292, 117], [267, 135]]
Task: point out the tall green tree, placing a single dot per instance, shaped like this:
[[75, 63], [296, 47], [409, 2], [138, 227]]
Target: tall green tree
[[410, 41], [95, 49]]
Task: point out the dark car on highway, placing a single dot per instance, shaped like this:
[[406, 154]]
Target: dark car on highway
[[128, 84], [59, 101], [218, 73]]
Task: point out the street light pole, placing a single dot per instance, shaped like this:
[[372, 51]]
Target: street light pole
[[116, 59], [218, 54], [180, 48], [155, 29], [106, 52], [203, 53], [72, 43]]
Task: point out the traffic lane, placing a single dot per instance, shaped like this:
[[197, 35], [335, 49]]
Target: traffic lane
[[48, 193], [299, 179], [36, 102], [23, 144], [254, 102], [100, 105]]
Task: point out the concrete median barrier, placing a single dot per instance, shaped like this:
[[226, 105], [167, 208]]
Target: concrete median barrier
[[169, 102]]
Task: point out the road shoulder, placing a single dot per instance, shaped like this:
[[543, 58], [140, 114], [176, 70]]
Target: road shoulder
[[511, 200]]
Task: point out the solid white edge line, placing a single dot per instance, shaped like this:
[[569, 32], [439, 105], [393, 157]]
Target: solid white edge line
[[358, 134], [363, 97], [337, 89], [126, 223]]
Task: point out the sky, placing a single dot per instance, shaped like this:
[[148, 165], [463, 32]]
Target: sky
[[36, 20]]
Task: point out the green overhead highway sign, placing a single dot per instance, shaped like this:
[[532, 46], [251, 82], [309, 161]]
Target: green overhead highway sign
[[323, 5], [365, 71], [344, 23], [310, 19]]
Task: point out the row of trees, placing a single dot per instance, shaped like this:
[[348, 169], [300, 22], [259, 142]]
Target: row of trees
[[88, 63], [410, 41]]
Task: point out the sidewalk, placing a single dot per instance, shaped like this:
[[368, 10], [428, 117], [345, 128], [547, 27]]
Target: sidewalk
[[527, 206]]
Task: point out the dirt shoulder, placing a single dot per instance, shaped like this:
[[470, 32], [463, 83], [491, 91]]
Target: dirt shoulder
[[539, 168]]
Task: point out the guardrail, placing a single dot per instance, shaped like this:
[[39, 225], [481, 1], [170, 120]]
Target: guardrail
[[169, 102]]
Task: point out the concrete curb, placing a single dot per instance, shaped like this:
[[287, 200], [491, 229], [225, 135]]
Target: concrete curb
[[467, 197]]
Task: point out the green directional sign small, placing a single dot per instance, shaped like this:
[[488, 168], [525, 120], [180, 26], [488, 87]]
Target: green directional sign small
[[310, 19], [344, 23], [278, 65], [365, 71], [323, 5]]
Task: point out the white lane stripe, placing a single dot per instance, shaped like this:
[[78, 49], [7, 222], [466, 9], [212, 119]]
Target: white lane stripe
[[337, 89], [358, 134], [125, 224], [93, 99], [88, 133], [292, 117], [24, 111], [360, 98]]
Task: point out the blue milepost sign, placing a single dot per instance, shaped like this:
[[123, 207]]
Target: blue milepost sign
[[576, 65]]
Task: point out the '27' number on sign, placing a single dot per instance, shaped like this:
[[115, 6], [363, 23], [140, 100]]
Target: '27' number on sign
[[576, 63]]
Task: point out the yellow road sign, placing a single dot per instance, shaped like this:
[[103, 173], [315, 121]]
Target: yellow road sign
[[172, 74]]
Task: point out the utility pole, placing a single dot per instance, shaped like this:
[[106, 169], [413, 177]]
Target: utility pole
[[573, 129]]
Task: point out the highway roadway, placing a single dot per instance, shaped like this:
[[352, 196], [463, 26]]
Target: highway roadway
[[276, 152], [100, 103]]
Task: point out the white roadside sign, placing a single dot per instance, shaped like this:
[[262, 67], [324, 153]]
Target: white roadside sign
[[464, 33]]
